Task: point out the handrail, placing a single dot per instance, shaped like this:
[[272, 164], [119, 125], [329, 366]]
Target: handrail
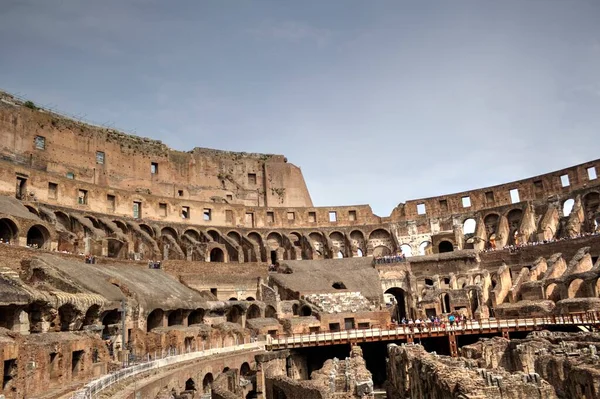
[[99, 384]]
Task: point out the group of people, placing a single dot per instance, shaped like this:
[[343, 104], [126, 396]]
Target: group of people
[[153, 265], [91, 259], [425, 324], [379, 260], [515, 247]]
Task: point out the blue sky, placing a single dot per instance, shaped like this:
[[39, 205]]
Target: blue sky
[[378, 102]]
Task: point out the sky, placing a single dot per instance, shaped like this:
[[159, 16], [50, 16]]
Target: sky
[[378, 102]]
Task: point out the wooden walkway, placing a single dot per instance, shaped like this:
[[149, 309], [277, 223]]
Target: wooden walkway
[[399, 333]]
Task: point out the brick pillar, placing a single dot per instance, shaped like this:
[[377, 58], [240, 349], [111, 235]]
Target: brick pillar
[[453, 345]]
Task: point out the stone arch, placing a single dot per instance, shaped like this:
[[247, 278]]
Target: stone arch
[[305, 311], [169, 231], [270, 312], [94, 221], [92, 316], [514, 218], [425, 248], [196, 317], [253, 312], [110, 318], [147, 229], [235, 237], [567, 207], [214, 234], [296, 239], [406, 250], [576, 289], [175, 317], [256, 253], [338, 243], [319, 244], [63, 219], [445, 246], [234, 315], [245, 369], [9, 232], [552, 292], [380, 238], [33, 210], [190, 384], [207, 383], [68, 315], [38, 236], [591, 209], [357, 239], [490, 222], [192, 235], [469, 226], [381, 250], [217, 255], [400, 310], [155, 319], [121, 225], [295, 309]]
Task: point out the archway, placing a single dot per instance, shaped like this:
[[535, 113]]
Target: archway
[[406, 250], [552, 292], [424, 248], [92, 316], [245, 369], [67, 315], [8, 231], [469, 226], [576, 289], [568, 206], [253, 312], [445, 302], [217, 255], [381, 250], [38, 237], [235, 315], [196, 317], [400, 307], [155, 319], [207, 383], [270, 312], [111, 318], [305, 311], [175, 318], [445, 246], [190, 385], [147, 229]]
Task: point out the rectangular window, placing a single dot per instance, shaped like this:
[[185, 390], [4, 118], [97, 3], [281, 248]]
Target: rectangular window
[[185, 212], [137, 209], [421, 209], [154, 168], [229, 197], [162, 209], [592, 173], [77, 362], [291, 216], [270, 217], [252, 179], [538, 186], [249, 219], [334, 327], [228, 216], [70, 175], [207, 215], [312, 217], [514, 196], [40, 142], [214, 291], [489, 197], [82, 198], [333, 216], [180, 193], [466, 202], [100, 157], [52, 190], [444, 205], [352, 216], [111, 202], [564, 181]]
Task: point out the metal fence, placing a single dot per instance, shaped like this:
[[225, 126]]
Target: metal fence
[[98, 385]]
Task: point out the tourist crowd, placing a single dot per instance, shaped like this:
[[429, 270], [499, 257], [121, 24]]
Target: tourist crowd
[[379, 260], [516, 247], [426, 324]]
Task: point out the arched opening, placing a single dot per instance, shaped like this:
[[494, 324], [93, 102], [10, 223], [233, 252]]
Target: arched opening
[[92, 316], [94, 221], [296, 307], [217, 255], [68, 315], [445, 302], [234, 315], [445, 246], [357, 239], [591, 209], [190, 385], [399, 310], [196, 317], [215, 235], [305, 311], [245, 369], [38, 237], [576, 289], [474, 301], [192, 236], [122, 226], [338, 285], [552, 292], [469, 226], [270, 312], [340, 255], [147, 229], [568, 206], [424, 248], [63, 219], [381, 251], [8, 231], [253, 312], [250, 299], [406, 250], [155, 319], [207, 383], [111, 318], [32, 210], [169, 231], [359, 253], [225, 369], [175, 318], [514, 222]]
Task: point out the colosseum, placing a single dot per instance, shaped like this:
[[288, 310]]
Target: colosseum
[[131, 270]]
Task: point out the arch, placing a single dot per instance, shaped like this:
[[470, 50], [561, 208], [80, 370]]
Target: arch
[[175, 318], [400, 306], [406, 250], [169, 231], [68, 315], [94, 221], [110, 318], [445, 246], [63, 219], [190, 384], [245, 369], [92, 316], [147, 229], [207, 383], [38, 237], [576, 289], [357, 238], [381, 250], [567, 207], [196, 317], [32, 210], [296, 307], [214, 234], [155, 319], [121, 225], [469, 226], [253, 312], [591, 209], [317, 242], [235, 236], [305, 311], [255, 237], [192, 234], [514, 218], [250, 299], [490, 222], [445, 302], [552, 292], [296, 239], [235, 315], [8, 230], [274, 241], [424, 247], [270, 312], [338, 241], [217, 255]]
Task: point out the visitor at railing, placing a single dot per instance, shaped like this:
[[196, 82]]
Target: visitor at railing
[[380, 260], [513, 248]]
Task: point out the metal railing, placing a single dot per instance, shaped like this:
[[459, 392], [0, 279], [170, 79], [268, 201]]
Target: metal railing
[[90, 390]]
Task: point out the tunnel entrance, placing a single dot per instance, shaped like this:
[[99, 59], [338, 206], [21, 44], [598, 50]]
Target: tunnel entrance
[[8, 231], [445, 246], [217, 255], [37, 237], [400, 303]]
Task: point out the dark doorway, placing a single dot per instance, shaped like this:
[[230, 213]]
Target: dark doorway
[[400, 308], [76, 362], [190, 385], [445, 299], [217, 255], [445, 246], [37, 237], [21, 191], [273, 257], [8, 231]]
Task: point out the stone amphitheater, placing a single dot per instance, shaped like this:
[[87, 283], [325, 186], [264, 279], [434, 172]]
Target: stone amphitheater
[[132, 270]]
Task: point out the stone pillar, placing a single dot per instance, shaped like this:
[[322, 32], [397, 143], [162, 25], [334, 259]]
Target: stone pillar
[[453, 345]]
